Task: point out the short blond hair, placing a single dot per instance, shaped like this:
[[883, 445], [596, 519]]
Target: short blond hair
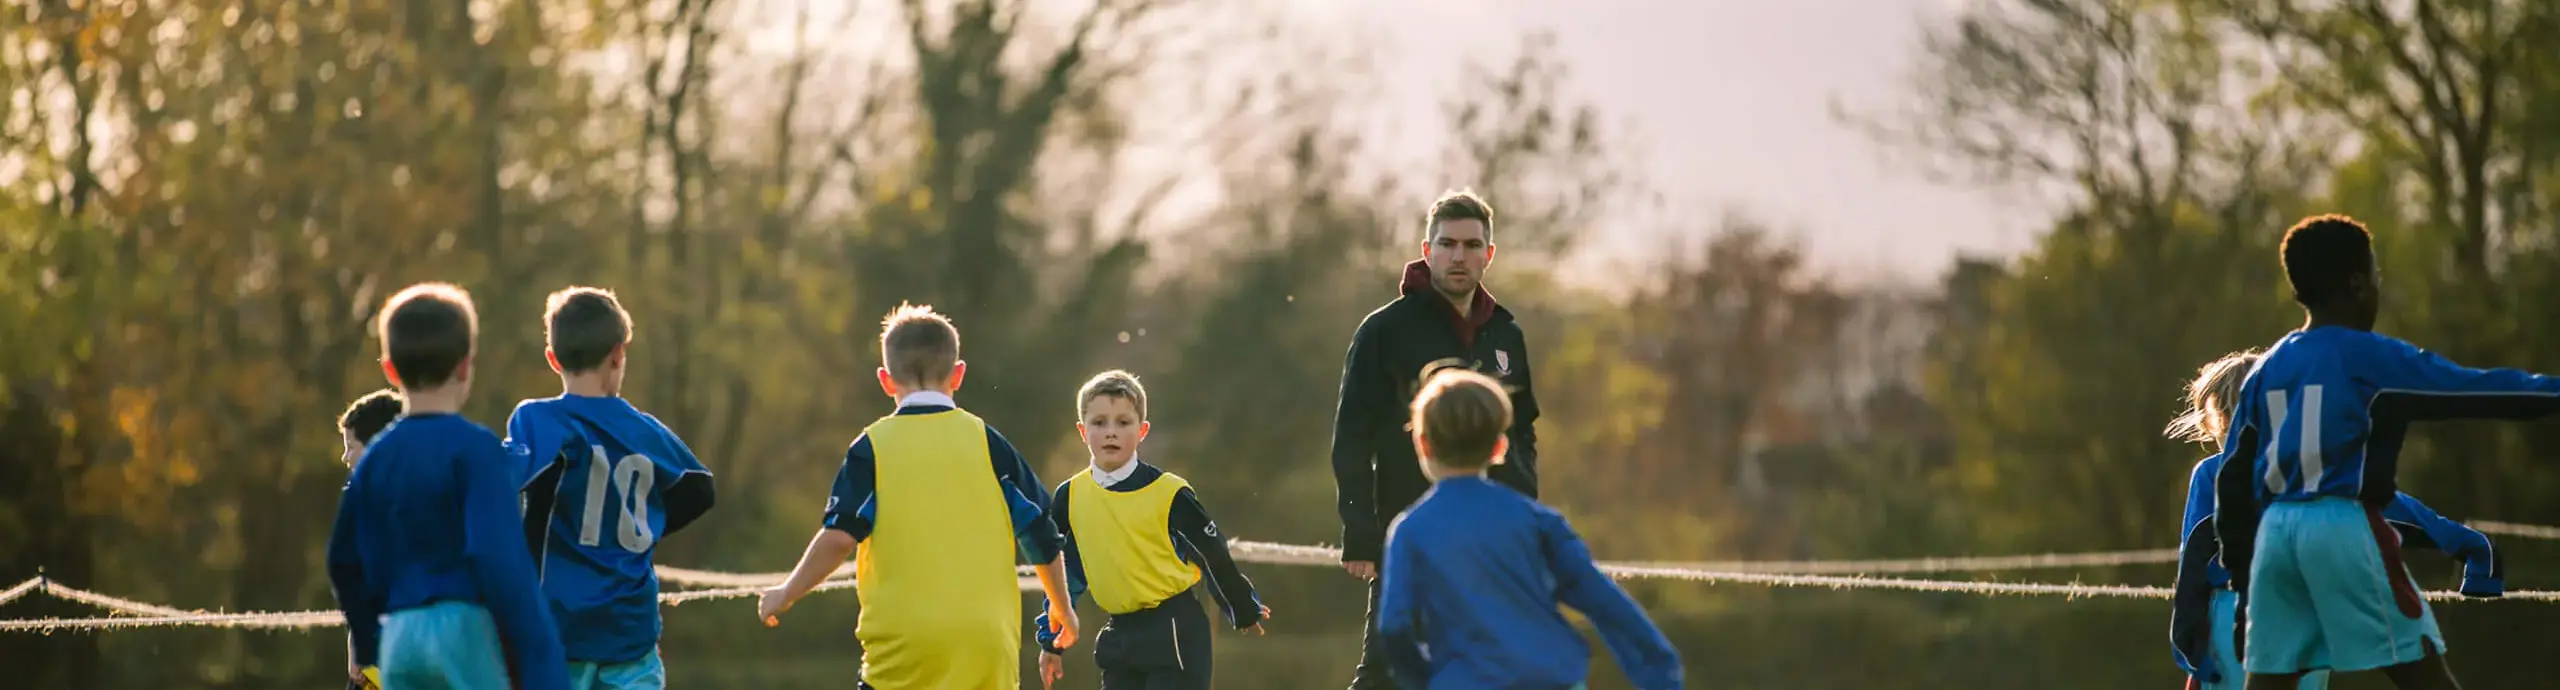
[[1114, 383], [2212, 398], [918, 345], [1461, 415]]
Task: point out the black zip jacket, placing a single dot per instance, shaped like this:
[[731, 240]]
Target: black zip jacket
[[1374, 468]]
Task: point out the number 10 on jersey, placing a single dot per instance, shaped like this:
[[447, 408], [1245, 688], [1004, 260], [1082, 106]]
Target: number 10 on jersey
[[630, 479]]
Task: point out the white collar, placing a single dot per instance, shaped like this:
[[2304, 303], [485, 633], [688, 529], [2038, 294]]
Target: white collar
[[927, 398], [1109, 478]]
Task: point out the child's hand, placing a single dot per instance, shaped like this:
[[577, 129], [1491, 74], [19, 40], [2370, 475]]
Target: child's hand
[[770, 606], [1052, 668], [1256, 628], [1062, 619]]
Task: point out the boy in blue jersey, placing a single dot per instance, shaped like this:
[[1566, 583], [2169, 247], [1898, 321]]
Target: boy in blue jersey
[[2205, 608], [608, 481], [1475, 570], [427, 554], [2313, 457], [1138, 538], [362, 420]]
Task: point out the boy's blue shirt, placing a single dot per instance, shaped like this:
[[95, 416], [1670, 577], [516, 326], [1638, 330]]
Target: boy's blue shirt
[[1473, 574], [2200, 570], [2324, 415], [605, 482], [430, 515]]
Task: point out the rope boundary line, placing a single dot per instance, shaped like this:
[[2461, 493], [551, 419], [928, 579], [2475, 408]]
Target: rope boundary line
[[1835, 575]]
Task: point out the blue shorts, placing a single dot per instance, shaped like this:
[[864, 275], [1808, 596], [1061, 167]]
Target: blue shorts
[[644, 673], [448, 644], [2319, 599], [2225, 604]]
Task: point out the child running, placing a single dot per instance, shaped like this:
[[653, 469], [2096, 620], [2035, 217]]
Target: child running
[[937, 503], [427, 551], [1475, 571], [357, 426], [2205, 608], [1139, 544], [2314, 452], [608, 482]]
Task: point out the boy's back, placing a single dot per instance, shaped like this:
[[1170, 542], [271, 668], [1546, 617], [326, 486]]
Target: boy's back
[[608, 481], [429, 518], [1475, 571]]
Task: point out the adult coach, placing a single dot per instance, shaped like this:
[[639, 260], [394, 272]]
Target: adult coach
[[1444, 318]]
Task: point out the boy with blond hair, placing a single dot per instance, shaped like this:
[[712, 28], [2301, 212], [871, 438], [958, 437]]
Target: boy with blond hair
[[1139, 539], [1475, 570], [933, 504]]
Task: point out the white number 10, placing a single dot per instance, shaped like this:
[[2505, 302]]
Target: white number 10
[[631, 478]]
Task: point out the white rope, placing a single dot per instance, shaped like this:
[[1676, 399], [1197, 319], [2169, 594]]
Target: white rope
[[1822, 574], [2509, 529]]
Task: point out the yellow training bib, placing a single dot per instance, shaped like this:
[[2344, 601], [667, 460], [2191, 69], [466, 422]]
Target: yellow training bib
[[1125, 539], [941, 609]]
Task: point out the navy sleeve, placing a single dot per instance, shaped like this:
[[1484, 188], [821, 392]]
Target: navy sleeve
[[2483, 575], [692, 492], [362, 606], [2413, 385], [1191, 525], [1399, 616], [852, 505], [1639, 646], [493, 544], [1074, 566], [2191, 605], [1033, 532], [1519, 468], [1364, 403]]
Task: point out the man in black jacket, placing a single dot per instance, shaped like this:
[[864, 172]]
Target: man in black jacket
[[1444, 318]]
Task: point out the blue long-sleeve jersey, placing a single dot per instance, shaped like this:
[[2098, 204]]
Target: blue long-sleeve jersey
[[2200, 571], [2325, 413], [608, 481], [430, 515], [1474, 572]]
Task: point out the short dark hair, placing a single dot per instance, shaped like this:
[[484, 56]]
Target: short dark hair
[[582, 325], [427, 331], [1114, 383], [2322, 254], [1457, 205], [918, 345], [369, 414], [1461, 415]]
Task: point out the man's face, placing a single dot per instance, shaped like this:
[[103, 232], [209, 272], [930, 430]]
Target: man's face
[[1458, 255]]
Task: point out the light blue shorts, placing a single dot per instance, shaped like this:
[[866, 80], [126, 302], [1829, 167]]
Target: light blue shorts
[[644, 673], [2225, 604], [447, 645], [2318, 597]]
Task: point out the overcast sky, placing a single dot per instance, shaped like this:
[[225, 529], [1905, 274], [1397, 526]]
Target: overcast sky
[[1732, 100]]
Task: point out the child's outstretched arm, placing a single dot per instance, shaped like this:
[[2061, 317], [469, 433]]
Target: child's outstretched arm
[[1191, 524], [826, 551], [851, 509], [1073, 565], [2416, 385], [2483, 574], [1639, 647]]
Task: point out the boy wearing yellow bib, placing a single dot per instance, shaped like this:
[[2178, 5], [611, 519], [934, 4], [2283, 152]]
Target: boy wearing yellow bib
[[1138, 539], [937, 503]]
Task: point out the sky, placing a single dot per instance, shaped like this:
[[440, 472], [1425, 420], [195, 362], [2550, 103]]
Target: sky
[[1731, 102]]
